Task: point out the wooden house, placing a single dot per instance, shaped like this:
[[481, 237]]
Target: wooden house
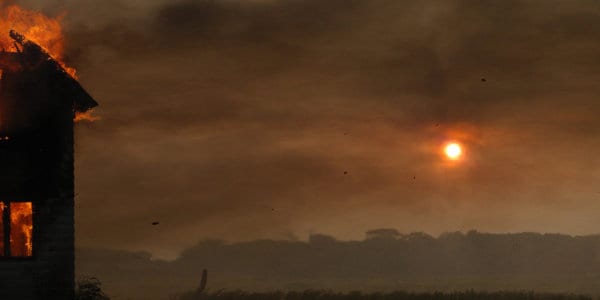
[[38, 101]]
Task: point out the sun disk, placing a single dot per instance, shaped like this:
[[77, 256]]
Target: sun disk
[[453, 151]]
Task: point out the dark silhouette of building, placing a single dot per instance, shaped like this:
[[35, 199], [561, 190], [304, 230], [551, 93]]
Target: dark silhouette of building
[[38, 101]]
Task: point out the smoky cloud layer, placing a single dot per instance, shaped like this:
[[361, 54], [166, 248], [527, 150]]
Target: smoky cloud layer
[[250, 119]]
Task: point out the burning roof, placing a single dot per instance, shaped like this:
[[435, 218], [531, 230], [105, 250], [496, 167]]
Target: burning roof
[[39, 101], [32, 60]]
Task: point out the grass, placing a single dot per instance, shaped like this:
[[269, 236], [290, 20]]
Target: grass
[[327, 295]]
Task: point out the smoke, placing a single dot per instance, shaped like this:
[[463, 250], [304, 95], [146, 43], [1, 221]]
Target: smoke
[[249, 119]]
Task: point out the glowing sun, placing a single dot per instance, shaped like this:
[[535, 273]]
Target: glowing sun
[[453, 151]]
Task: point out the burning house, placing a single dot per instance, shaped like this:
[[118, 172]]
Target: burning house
[[38, 102]]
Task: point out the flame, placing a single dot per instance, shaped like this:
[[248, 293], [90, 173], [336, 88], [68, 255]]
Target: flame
[[2, 208], [87, 116], [21, 229], [36, 27], [43, 30]]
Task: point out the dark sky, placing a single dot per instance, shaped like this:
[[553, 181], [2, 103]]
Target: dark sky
[[236, 119]]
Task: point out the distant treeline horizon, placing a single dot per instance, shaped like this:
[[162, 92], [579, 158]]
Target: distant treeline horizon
[[372, 234], [385, 260]]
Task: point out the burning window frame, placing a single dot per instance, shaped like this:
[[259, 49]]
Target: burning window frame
[[6, 234]]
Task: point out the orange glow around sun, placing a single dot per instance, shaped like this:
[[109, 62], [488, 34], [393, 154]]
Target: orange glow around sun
[[453, 151]]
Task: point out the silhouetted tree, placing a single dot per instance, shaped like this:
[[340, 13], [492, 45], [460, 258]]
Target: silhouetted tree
[[90, 288]]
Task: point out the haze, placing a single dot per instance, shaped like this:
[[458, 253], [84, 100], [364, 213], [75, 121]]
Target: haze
[[242, 120]]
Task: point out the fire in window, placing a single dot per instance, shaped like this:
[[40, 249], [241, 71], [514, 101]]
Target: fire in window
[[16, 228]]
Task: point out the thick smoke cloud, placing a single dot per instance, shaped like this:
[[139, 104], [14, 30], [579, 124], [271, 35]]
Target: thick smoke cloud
[[249, 119]]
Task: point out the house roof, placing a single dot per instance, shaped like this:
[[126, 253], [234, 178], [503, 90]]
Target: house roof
[[30, 56]]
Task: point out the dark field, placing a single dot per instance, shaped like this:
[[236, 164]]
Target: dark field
[[325, 295], [415, 262]]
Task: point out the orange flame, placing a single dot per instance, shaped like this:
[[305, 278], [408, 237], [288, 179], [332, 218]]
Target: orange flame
[[2, 208], [21, 229], [43, 30], [38, 28], [87, 116]]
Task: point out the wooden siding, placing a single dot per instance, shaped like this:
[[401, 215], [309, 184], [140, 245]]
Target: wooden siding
[[48, 183]]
